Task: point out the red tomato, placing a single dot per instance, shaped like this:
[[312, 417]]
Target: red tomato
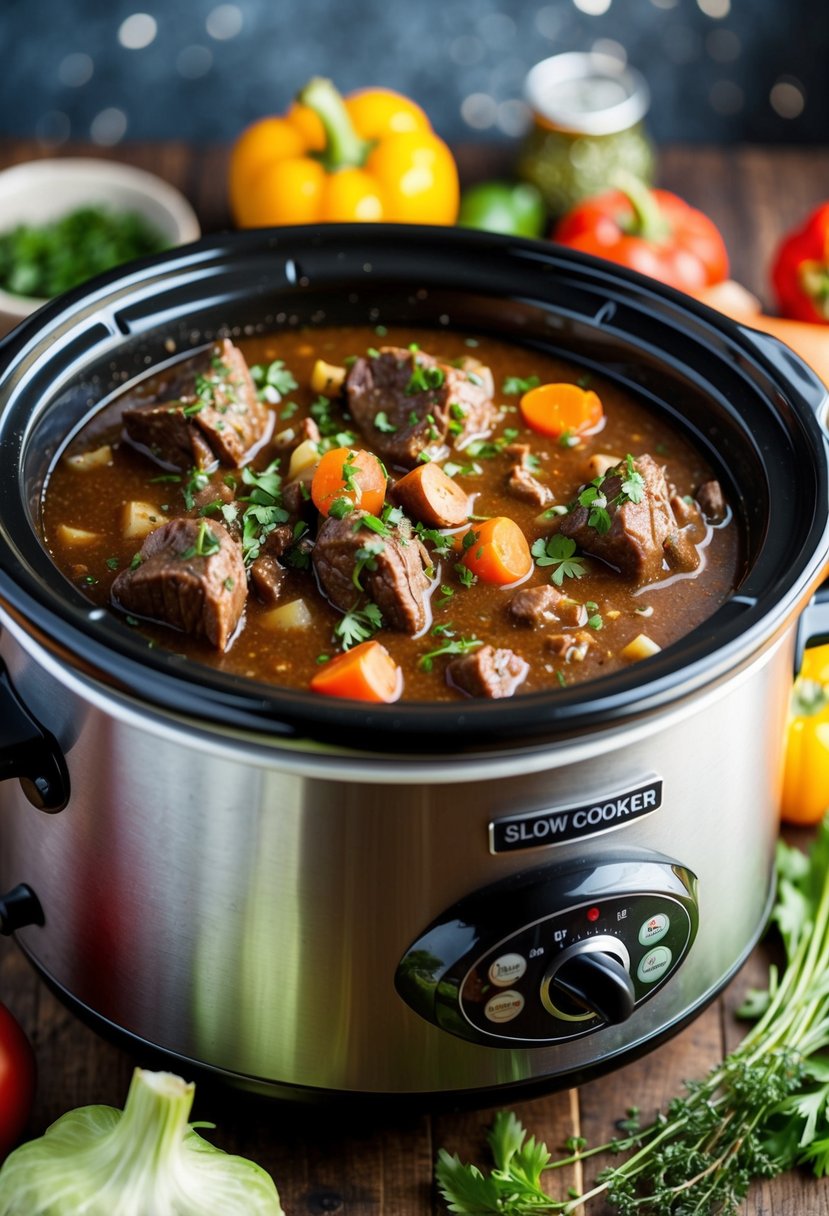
[[17, 1081]]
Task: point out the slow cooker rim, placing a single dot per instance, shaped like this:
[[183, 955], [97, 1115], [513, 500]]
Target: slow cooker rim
[[92, 639]]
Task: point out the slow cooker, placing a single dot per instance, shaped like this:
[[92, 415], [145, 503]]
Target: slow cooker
[[313, 898]]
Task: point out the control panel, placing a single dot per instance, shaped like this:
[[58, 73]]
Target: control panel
[[554, 953]]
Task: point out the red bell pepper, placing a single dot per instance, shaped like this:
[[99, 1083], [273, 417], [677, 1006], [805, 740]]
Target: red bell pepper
[[652, 231], [800, 270]]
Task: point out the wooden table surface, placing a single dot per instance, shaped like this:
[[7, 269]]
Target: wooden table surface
[[340, 1162]]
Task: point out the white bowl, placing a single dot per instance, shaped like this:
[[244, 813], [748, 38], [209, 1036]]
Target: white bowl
[[42, 191]]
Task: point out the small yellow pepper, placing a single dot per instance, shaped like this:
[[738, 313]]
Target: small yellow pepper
[[372, 156], [806, 773]]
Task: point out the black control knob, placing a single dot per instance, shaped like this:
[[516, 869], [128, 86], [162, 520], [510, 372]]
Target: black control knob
[[590, 979]]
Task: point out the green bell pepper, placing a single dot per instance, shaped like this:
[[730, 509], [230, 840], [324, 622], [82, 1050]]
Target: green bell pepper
[[516, 209]]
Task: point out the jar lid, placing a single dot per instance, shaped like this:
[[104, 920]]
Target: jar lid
[[587, 93]]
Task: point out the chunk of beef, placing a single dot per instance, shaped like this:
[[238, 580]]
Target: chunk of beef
[[391, 570], [642, 537], [205, 410], [425, 403], [215, 495], [544, 606], [191, 576], [521, 482], [712, 501], [267, 577], [487, 672]]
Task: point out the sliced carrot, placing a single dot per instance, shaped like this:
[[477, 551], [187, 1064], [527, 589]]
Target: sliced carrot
[[497, 551], [352, 474], [365, 673], [555, 409]]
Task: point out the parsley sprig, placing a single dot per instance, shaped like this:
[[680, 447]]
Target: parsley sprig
[[264, 511], [558, 551], [273, 380], [358, 625], [760, 1112], [455, 646]]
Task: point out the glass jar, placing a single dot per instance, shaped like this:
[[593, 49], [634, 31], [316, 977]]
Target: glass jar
[[588, 120]]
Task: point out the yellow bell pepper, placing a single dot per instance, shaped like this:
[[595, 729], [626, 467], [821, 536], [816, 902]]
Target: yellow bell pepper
[[806, 773], [372, 156]]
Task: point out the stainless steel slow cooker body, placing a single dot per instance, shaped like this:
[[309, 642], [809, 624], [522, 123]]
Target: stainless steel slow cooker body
[[319, 899]]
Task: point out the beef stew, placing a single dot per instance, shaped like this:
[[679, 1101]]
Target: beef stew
[[487, 558]]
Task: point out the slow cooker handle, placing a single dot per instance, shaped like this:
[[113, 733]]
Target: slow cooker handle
[[785, 362], [29, 752], [813, 626]]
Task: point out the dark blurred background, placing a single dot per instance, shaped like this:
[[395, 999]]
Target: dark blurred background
[[118, 70]]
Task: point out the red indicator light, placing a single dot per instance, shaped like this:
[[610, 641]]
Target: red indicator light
[[593, 914]]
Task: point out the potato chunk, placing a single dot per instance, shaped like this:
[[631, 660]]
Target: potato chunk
[[303, 456], [642, 647], [76, 536], [84, 462], [140, 519], [327, 379], [293, 615]]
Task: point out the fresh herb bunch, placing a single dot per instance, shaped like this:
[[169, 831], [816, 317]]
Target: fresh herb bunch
[[762, 1111], [44, 260]]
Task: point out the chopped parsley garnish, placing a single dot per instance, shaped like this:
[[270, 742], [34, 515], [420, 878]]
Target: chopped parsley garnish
[[486, 449], [441, 543], [595, 619], [366, 557], [381, 423], [380, 330], [265, 484], [391, 515], [567, 439], [340, 507], [358, 625], [456, 646], [424, 457], [633, 487], [288, 410], [446, 593], [273, 380], [452, 469], [465, 575], [205, 395], [112, 563], [515, 386], [264, 512], [136, 561], [229, 583], [558, 551], [424, 379], [380, 526], [196, 481], [594, 498], [206, 543], [176, 477], [585, 381]]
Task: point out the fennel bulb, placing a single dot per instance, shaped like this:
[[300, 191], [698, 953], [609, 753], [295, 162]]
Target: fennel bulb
[[143, 1161]]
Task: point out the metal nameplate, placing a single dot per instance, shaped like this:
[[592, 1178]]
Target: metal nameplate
[[537, 829]]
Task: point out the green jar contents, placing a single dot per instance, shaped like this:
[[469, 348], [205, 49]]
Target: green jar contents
[[588, 122]]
